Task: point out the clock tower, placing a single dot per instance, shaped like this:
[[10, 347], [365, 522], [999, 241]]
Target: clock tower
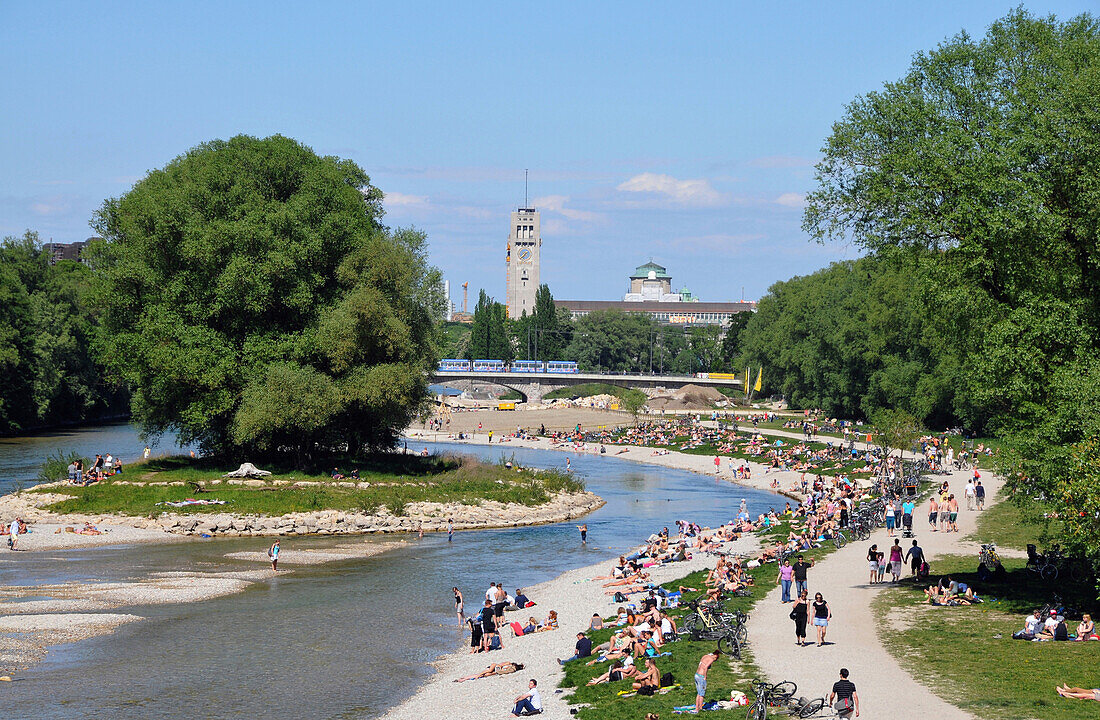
[[522, 261]]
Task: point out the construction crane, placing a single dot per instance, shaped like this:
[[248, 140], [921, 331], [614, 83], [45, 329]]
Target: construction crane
[[465, 295]]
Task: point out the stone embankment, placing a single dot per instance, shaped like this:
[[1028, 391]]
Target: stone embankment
[[430, 516]]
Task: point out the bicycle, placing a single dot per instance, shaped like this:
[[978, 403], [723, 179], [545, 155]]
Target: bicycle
[[767, 694]]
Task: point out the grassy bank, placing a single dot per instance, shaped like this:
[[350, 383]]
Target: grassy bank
[[602, 702], [966, 654], [590, 389], [390, 481], [1004, 524]]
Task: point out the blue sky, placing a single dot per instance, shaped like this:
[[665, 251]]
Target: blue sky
[[685, 132]]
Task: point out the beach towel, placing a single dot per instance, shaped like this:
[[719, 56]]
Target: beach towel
[[517, 628]]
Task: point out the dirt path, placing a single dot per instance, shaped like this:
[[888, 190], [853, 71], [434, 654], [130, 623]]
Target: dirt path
[[853, 641]]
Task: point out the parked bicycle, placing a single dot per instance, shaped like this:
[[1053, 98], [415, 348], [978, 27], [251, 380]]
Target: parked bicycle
[[779, 699]]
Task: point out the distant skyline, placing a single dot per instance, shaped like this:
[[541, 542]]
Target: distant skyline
[[683, 132]]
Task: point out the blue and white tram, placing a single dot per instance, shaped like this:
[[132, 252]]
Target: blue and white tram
[[489, 366], [562, 366], [527, 366], [453, 364]]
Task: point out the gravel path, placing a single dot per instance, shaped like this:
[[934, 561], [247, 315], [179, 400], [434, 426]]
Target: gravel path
[[852, 639]]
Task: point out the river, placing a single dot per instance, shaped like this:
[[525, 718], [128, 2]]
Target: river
[[345, 640]]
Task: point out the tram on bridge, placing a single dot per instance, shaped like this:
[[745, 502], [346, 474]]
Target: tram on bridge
[[564, 367]]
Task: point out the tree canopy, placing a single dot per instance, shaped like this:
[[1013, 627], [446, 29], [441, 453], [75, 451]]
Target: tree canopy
[[985, 158], [47, 330], [252, 299]]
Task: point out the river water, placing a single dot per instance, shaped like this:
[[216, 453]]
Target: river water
[[344, 640]]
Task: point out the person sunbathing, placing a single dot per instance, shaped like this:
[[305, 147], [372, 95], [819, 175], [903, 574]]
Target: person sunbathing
[[1078, 693], [650, 678], [630, 580], [504, 668], [618, 671], [89, 529]]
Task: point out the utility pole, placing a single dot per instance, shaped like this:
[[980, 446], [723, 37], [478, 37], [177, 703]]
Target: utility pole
[[465, 295]]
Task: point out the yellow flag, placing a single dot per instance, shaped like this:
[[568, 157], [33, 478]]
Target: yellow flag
[[759, 380]]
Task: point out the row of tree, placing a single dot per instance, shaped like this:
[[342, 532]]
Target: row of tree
[[605, 340], [48, 342]]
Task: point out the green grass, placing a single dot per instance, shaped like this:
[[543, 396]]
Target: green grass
[[602, 702], [955, 649], [396, 481], [1004, 524], [589, 389]]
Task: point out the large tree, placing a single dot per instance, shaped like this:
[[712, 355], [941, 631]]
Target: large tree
[[987, 154], [252, 299]]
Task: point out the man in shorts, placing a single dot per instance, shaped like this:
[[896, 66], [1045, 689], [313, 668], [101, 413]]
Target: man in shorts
[[701, 677], [844, 693], [979, 494]]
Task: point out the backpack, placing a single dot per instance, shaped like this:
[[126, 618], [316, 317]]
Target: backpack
[[667, 680], [619, 597]]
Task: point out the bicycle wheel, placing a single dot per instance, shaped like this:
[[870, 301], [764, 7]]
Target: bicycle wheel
[[784, 691], [1049, 572], [689, 623], [811, 708], [742, 634], [729, 646], [758, 710]]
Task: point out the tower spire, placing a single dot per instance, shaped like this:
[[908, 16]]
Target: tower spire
[[525, 188]]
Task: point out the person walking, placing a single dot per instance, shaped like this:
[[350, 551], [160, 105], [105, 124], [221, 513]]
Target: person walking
[[933, 512], [800, 569], [458, 607], [273, 553], [13, 529], [895, 561], [822, 616], [872, 562], [844, 693], [784, 579], [800, 614], [907, 509], [979, 494], [969, 494], [701, 677], [915, 556], [891, 519]]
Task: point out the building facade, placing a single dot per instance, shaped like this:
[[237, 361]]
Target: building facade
[[522, 262], [66, 251]]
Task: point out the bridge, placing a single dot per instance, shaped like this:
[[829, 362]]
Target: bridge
[[534, 385]]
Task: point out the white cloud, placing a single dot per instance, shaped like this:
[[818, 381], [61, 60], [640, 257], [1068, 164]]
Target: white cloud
[[682, 192], [396, 199], [719, 242], [56, 205], [556, 203], [791, 200]]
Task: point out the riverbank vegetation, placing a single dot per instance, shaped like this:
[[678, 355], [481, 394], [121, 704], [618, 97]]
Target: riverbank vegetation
[[391, 481], [48, 327]]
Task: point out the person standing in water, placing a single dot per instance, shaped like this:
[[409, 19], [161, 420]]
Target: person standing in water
[[273, 553], [450, 529], [584, 533], [419, 530], [458, 607]]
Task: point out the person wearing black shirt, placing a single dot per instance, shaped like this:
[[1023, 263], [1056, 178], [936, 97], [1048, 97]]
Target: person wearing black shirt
[[521, 599], [844, 692], [915, 555], [800, 568], [584, 649]]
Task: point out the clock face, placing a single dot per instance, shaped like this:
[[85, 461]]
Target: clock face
[[525, 254]]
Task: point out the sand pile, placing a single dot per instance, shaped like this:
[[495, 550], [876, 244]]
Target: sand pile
[[689, 397]]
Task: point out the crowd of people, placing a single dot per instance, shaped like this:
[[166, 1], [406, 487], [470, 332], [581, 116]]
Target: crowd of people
[[104, 466]]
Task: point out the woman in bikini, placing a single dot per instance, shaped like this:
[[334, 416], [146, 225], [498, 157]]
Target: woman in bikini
[[504, 668], [458, 606]]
